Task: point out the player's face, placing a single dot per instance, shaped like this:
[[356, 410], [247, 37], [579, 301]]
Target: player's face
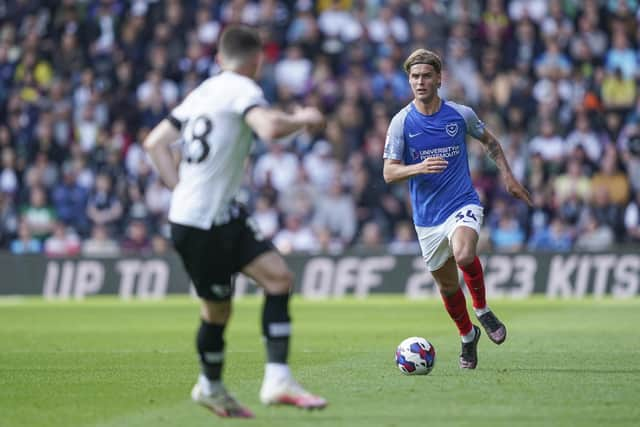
[[424, 81]]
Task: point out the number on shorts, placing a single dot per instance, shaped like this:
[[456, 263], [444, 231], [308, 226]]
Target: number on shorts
[[469, 214]]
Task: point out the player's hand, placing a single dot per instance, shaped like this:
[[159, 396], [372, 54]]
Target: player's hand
[[517, 190], [433, 165], [313, 118]]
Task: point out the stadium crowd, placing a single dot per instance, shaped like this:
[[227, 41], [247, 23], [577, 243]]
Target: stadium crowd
[[83, 81]]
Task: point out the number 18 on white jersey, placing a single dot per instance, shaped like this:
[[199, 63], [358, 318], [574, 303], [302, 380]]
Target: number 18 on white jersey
[[215, 144]]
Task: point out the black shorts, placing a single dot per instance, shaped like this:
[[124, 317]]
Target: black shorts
[[212, 257]]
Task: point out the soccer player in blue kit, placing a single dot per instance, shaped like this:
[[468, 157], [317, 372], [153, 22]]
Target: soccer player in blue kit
[[426, 143]]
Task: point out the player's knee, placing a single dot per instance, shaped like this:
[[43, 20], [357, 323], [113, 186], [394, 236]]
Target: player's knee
[[287, 280], [281, 281], [464, 256], [216, 312], [448, 288]]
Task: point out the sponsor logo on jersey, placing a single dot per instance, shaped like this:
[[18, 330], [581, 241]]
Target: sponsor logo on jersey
[[442, 152]]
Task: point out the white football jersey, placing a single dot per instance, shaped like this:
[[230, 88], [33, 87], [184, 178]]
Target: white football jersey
[[215, 143]]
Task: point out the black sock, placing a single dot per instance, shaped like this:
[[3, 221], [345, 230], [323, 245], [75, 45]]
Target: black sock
[[276, 327], [210, 345]]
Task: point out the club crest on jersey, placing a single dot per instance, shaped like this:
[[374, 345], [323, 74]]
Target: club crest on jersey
[[452, 129]]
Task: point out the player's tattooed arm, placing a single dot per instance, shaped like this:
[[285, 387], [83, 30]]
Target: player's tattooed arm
[[495, 153]]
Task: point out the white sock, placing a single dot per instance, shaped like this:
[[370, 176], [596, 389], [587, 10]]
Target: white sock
[[470, 336], [209, 387], [480, 311], [276, 371]]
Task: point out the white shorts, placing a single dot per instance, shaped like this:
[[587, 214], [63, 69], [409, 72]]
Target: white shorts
[[435, 242]]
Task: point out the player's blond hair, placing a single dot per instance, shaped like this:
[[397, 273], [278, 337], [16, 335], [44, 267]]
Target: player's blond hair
[[423, 56]]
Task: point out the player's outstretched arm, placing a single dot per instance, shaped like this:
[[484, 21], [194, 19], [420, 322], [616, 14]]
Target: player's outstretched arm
[[157, 144], [270, 124], [495, 153], [395, 170]]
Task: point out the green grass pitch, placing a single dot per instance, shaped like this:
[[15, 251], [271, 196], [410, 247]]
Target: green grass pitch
[[105, 362]]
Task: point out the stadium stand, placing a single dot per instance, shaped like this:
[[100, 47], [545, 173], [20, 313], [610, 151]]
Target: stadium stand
[[83, 81]]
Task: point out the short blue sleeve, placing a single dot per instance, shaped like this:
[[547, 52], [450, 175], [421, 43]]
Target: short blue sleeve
[[475, 126], [394, 144]]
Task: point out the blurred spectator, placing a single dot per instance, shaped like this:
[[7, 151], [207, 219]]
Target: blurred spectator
[[103, 207], [524, 47], [549, 144], [136, 240], [87, 128], [295, 236], [404, 241], [534, 9], [630, 147], [389, 78], [303, 29], [508, 236], [604, 211], [554, 237], [32, 66], [584, 136], [8, 219], [618, 91], [387, 24], [370, 238], [622, 57], [240, 11], [299, 198], [432, 16], [25, 243], [327, 244], [99, 244], [38, 216], [156, 87], [320, 166], [572, 209], [278, 166], [462, 68], [157, 198], [42, 171], [159, 245], [632, 220], [8, 175], [552, 63], [336, 212], [556, 23], [63, 242], [293, 72], [338, 26], [571, 182], [611, 180], [595, 39], [594, 236], [70, 201], [494, 26], [136, 208], [266, 217]]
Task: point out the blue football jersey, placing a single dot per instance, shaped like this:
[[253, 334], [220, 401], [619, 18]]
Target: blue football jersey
[[413, 136]]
